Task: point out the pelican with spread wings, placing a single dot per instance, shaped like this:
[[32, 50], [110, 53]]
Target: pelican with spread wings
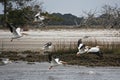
[[55, 61], [38, 17], [16, 31]]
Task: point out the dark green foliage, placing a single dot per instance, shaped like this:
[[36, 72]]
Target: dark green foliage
[[12, 14], [16, 17], [66, 19], [21, 16]]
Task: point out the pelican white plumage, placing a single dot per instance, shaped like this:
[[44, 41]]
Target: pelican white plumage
[[80, 44], [92, 49], [5, 61], [38, 18], [16, 31], [81, 47], [95, 50], [48, 47], [55, 61]]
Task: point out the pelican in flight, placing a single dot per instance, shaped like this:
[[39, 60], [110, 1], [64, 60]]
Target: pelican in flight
[[94, 50], [38, 18], [16, 31], [55, 61], [48, 47]]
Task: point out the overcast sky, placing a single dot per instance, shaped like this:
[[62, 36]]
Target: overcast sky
[[75, 7]]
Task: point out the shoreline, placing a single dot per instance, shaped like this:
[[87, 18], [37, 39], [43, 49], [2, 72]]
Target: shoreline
[[29, 48], [88, 60], [37, 38]]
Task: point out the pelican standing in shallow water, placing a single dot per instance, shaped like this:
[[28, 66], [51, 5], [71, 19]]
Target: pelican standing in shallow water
[[16, 31], [55, 61]]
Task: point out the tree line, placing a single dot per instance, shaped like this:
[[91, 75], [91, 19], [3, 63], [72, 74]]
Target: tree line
[[21, 12], [108, 18]]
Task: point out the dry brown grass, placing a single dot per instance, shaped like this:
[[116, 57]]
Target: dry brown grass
[[106, 47]]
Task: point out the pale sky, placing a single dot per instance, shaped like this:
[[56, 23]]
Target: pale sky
[[75, 7]]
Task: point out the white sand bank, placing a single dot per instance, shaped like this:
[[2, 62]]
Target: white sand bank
[[37, 38]]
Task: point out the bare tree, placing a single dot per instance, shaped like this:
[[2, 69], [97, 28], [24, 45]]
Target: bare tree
[[110, 16], [89, 19]]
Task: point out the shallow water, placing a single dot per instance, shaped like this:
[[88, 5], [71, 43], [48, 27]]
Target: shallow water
[[40, 71]]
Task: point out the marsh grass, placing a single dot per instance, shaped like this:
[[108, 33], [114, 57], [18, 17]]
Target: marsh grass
[[29, 56], [66, 50], [63, 47], [71, 46]]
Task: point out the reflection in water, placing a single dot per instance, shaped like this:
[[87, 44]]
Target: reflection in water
[[51, 78], [40, 71]]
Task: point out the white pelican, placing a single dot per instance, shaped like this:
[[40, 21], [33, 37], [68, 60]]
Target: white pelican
[[95, 50], [16, 31], [81, 47], [55, 61], [80, 44], [38, 18], [92, 49], [5, 61], [48, 47]]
